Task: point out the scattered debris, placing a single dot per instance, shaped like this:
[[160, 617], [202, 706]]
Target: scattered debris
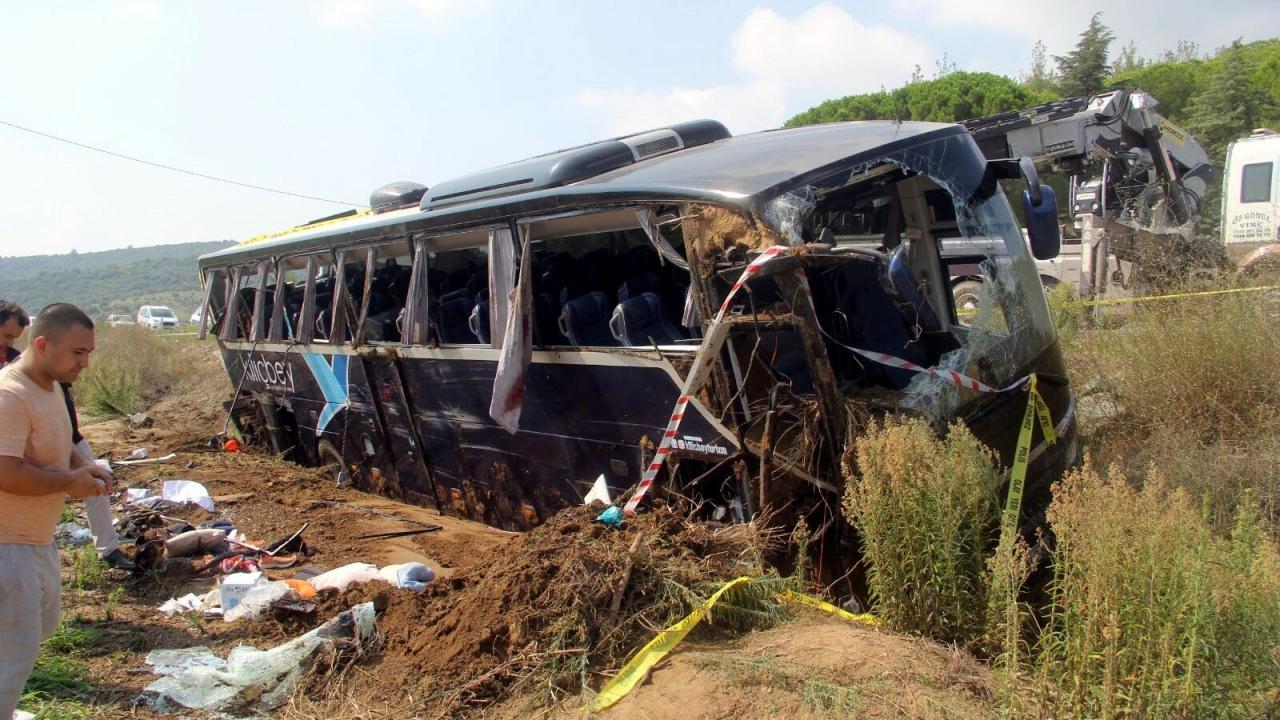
[[183, 491], [599, 493], [397, 533], [140, 420], [70, 533], [252, 679], [137, 454], [208, 604], [149, 461]]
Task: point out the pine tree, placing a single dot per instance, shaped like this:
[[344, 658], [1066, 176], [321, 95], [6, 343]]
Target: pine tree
[[1040, 78], [1228, 108], [1082, 71]]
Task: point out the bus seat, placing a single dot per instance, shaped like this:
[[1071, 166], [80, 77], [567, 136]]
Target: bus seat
[[455, 311], [904, 286], [478, 321], [641, 320], [585, 320], [643, 283]]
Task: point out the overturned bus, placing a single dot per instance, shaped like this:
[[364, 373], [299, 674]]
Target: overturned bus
[[667, 304]]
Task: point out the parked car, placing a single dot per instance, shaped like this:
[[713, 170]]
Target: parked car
[[195, 316], [157, 317], [118, 320]]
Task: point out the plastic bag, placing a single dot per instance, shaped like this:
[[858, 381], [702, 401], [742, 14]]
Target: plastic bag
[[261, 679], [259, 598]]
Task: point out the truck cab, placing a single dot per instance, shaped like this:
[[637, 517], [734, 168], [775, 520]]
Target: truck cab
[[1251, 202]]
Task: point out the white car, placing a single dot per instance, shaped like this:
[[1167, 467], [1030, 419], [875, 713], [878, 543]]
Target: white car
[[157, 317], [195, 317]]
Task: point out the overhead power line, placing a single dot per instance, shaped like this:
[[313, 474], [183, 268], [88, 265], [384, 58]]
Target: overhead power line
[[171, 168]]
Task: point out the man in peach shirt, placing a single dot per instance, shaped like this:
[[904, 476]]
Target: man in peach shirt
[[38, 469]]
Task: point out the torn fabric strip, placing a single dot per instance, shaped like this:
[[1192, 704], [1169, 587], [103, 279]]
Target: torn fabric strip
[[517, 347]]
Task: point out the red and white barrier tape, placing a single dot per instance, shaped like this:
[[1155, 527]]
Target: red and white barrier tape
[[710, 348]]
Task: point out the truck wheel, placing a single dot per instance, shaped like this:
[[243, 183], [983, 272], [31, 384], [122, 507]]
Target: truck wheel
[[966, 294]]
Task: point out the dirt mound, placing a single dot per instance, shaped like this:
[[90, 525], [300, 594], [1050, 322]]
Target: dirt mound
[[815, 667], [568, 597]]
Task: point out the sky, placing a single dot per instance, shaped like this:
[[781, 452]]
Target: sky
[[333, 98]]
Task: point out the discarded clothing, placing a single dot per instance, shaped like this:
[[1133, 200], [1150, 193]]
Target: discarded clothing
[[196, 542], [340, 578], [411, 575]]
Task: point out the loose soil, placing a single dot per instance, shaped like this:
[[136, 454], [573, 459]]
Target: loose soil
[[514, 623]]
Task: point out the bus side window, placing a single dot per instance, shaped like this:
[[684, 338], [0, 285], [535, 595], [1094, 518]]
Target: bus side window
[[606, 289], [388, 292], [458, 288]]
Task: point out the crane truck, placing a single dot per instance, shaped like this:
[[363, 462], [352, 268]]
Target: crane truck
[[1137, 180]]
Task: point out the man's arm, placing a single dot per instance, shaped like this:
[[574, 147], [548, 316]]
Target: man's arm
[[80, 458], [19, 477]]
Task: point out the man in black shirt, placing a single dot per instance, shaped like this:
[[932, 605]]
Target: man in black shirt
[[13, 321]]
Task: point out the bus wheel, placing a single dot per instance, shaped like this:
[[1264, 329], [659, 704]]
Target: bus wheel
[[331, 459]]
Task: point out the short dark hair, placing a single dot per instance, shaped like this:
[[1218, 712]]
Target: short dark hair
[[13, 310], [55, 319]]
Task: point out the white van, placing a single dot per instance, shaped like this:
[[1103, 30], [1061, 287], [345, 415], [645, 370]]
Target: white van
[[157, 317], [1251, 200]]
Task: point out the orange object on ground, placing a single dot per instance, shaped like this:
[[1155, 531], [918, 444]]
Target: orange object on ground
[[232, 445], [304, 589]]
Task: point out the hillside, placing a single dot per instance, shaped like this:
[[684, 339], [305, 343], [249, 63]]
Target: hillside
[[112, 281]]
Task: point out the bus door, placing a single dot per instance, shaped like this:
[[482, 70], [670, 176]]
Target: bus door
[[400, 429]]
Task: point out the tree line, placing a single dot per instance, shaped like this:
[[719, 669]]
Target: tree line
[[1218, 97]]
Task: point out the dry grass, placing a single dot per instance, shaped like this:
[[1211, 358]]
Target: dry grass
[[1197, 387], [129, 365]]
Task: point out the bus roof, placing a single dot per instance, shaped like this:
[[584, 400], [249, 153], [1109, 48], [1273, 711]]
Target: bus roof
[[742, 171]]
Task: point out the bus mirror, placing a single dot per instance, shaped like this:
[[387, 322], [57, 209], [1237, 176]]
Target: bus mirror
[[1042, 221], [1040, 206]]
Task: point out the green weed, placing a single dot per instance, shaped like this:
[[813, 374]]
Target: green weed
[[925, 509], [87, 569], [1151, 614]]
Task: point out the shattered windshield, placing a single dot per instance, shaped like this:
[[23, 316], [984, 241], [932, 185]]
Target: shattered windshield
[[927, 218]]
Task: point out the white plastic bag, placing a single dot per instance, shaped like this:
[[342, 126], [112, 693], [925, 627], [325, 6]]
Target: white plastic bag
[[259, 598], [250, 678], [185, 491]]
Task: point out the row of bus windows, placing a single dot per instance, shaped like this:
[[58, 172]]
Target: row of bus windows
[[602, 289]]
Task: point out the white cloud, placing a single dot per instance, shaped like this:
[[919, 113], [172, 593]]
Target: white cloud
[[1059, 25], [786, 65], [355, 13], [138, 9]]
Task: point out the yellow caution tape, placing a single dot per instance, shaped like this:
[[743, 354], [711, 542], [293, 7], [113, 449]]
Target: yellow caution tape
[[1036, 409], [1175, 296], [864, 618], [639, 665], [649, 655]]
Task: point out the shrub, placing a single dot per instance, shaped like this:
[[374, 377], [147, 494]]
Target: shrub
[[1150, 614], [926, 509], [1067, 310]]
